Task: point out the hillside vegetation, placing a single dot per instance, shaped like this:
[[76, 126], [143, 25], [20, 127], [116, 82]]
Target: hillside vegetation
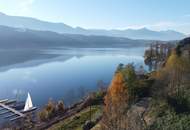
[[159, 100]]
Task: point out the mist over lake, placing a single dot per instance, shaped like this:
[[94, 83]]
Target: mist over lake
[[66, 73]]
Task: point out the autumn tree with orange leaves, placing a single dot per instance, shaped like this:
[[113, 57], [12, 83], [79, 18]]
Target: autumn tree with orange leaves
[[115, 104]]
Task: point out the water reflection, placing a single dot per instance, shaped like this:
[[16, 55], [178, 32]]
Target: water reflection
[[65, 78]]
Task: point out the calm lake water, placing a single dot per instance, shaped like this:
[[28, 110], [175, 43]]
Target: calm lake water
[[68, 76]]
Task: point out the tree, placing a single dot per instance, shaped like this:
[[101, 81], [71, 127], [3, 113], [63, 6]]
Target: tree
[[177, 68], [115, 104], [43, 115], [172, 81], [60, 106], [122, 93], [131, 81], [51, 108], [48, 111]]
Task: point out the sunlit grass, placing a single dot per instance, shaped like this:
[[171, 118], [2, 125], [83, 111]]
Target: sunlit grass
[[77, 121]]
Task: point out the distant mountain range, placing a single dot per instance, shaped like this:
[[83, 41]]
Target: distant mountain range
[[17, 38], [35, 24]]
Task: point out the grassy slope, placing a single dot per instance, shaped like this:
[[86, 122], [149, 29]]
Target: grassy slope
[[77, 121]]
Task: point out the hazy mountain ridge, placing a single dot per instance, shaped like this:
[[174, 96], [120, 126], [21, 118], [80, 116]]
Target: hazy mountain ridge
[[35, 24], [16, 38]]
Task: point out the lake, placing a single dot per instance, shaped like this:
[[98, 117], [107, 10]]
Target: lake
[[68, 75]]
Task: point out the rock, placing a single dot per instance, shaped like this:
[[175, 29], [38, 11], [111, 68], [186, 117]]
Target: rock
[[88, 125], [136, 115]]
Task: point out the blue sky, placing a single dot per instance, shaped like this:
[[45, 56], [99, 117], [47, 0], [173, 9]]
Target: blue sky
[[106, 14]]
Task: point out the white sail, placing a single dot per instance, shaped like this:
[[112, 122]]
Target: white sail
[[28, 103]]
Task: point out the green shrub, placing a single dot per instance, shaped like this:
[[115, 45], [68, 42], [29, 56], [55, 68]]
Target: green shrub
[[172, 121], [180, 104]]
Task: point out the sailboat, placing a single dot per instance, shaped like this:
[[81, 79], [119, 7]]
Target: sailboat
[[28, 104]]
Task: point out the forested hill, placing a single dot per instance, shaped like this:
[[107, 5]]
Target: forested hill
[[25, 38]]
